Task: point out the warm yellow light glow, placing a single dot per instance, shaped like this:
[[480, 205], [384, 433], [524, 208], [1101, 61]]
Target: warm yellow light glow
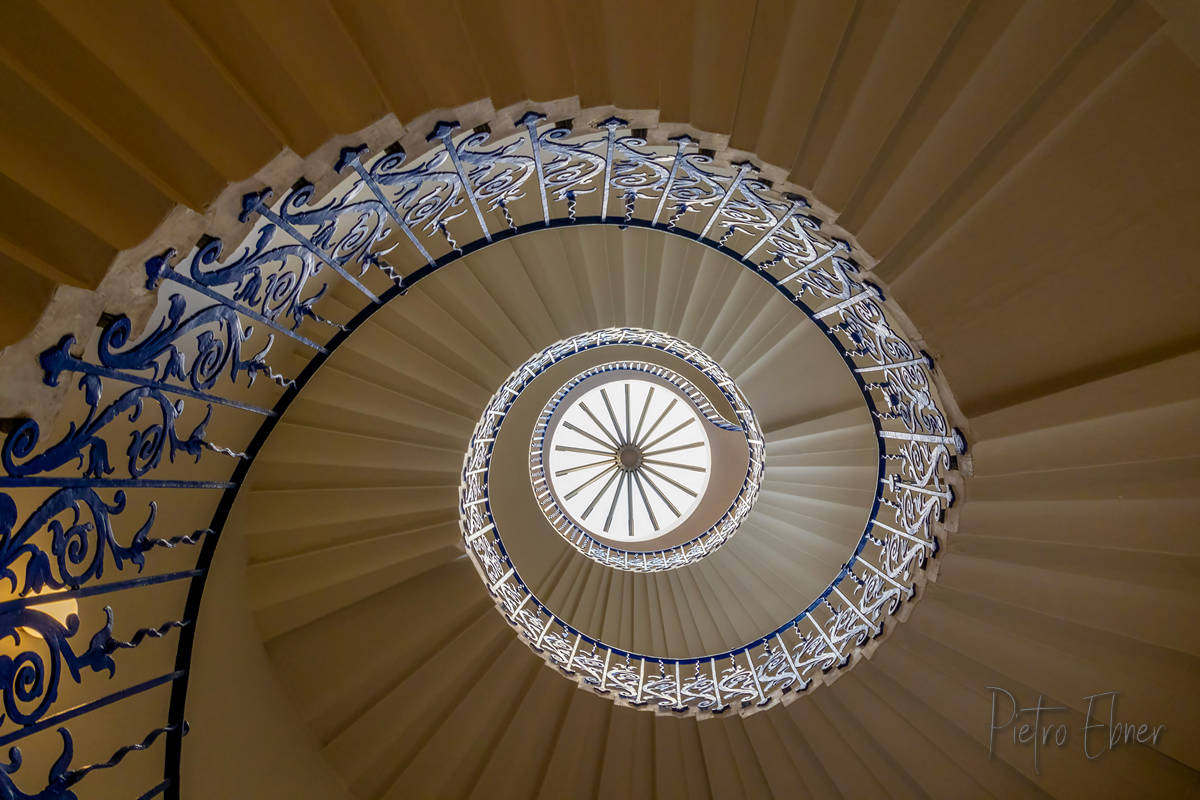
[[58, 609]]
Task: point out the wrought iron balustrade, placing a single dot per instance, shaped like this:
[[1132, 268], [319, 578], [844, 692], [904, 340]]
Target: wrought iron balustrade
[[81, 504]]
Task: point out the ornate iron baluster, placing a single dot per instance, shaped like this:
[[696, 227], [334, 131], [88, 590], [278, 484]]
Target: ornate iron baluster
[[351, 157], [681, 142], [255, 202], [530, 121], [443, 131]]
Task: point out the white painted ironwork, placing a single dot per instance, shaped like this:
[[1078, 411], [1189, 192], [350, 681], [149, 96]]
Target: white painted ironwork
[[600, 546]]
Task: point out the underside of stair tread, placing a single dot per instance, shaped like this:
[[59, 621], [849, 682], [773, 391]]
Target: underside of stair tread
[[823, 474], [823, 466]]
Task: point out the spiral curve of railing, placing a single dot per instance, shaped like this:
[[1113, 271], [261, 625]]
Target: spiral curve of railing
[[81, 513]]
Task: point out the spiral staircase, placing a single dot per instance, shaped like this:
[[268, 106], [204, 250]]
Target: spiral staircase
[[1013, 183]]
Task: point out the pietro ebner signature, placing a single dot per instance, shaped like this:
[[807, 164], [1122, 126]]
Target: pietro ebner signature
[[1035, 725]]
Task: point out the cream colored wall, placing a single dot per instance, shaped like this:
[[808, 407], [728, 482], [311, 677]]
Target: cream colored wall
[[246, 739]]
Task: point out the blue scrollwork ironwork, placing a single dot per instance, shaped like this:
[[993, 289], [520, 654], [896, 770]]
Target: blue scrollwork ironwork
[[30, 680], [85, 445], [61, 777], [217, 351], [79, 545], [75, 541], [264, 282]]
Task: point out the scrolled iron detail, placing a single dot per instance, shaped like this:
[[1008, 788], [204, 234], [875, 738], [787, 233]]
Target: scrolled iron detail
[[30, 680], [61, 777], [79, 545], [84, 444], [216, 351]]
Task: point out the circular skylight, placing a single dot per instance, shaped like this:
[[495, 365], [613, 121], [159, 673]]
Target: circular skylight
[[629, 459], [656, 471]]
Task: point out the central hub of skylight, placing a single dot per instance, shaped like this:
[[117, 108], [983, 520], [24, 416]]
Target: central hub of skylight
[[628, 459]]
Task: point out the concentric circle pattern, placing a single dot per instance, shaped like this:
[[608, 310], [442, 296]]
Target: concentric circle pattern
[[596, 544], [877, 577], [637, 472], [625, 475]]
